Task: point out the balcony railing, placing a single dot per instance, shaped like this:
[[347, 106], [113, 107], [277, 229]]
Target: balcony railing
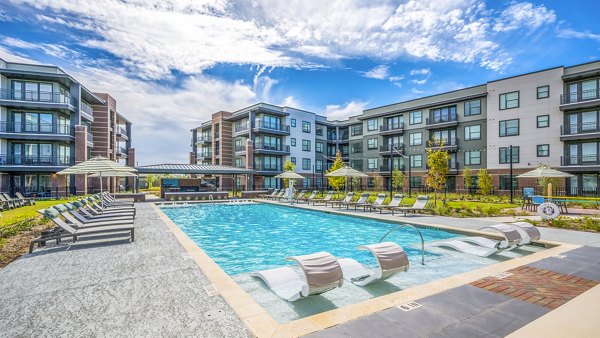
[[90, 137], [30, 160], [272, 126], [239, 148], [344, 136], [435, 143], [386, 148], [34, 96], [453, 117], [122, 131], [391, 127], [122, 150], [206, 154], [205, 139], [579, 160], [267, 167], [36, 128], [87, 108], [386, 167], [581, 128], [580, 96], [271, 147], [240, 128]]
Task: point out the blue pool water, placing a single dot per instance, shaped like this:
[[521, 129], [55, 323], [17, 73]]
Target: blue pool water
[[253, 237]]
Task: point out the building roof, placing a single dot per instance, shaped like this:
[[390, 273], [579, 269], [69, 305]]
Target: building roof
[[192, 169]]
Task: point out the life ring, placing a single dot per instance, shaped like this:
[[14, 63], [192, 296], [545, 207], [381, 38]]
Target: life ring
[[548, 210]]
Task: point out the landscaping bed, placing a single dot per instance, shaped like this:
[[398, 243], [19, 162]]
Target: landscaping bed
[[583, 223]]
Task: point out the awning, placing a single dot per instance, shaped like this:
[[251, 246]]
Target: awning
[[193, 169]]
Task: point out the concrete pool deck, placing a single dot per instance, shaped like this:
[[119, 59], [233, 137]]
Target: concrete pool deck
[[156, 286]]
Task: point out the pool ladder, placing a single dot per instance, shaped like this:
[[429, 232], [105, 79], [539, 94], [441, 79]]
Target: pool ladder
[[420, 235]]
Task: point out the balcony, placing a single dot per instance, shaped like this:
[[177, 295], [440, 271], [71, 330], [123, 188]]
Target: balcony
[[443, 121], [386, 149], [271, 128], [392, 128], [121, 152], [264, 148], [585, 162], [36, 99], [86, 111], [36, 131], [204, 139], [344, 137], [122, 133], [206, 155], [581, 131], [241, 129], [36, 161], [267, 168], [449, 144], [90, 139], [452, 167], [581, 99], [386, 168], [240, 149]]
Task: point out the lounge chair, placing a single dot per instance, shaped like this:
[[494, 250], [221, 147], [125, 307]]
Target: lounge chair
[[273, 193], [95, 209], [26, 200], [326, 199], [361, 200], [79, 205], [394, 203], [107, 218], [419, 205], [305, 198], [464, 247], [7, 203], [321, 270], [110, 200], [481, 246], [528, 231], [64, 212], [391, 259], [346, 199], [17, 202], [109, 208], [280, 194], [377, 202]]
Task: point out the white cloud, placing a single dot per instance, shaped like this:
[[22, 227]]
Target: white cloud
[[338, 112], [379, 73], [49, 49], [419, 82], [8, 55], [290, 101], [424, 71], [396, 78], [523, 14], [570, 33]]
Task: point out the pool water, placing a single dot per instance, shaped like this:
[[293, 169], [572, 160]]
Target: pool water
[[253, 237]]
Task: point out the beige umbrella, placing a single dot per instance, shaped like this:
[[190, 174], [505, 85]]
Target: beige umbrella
[[346, 172], [291, 176], [545, 171]]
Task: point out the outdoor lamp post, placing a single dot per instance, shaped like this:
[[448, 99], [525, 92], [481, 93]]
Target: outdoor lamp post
[[510, 177], [391, 170], [409, 173]]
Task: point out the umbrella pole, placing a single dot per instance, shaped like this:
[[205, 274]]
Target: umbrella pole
[[101, 200]]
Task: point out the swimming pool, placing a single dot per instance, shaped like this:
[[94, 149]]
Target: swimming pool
[[246, 238]]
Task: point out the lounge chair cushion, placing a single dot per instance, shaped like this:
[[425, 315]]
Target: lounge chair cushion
[[60, 208], [77, 204], [51, 213]]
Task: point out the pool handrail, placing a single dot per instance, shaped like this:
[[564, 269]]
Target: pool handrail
[[420, 235]]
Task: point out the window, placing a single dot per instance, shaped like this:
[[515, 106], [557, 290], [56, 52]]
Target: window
[[305, 145], [305, 127], [356, 147], [293, 160], [372, 143], [416, 181], [394, 122], [543, 92], [415, 117], [239, 163], [34, 122], [356, 130], [306, 164], [293, 122], [357, 164], [509, 127], [473, 132], [319, 147], [509, 100], [319, 130], [318, 165], [416, 161], [473, 107], [505, 155], [543, 121], [443, 114], [372, 124], [415, 139], [372, 163], [543, 150], [293, 141], [472, 157], [504, 181], [306, 182]]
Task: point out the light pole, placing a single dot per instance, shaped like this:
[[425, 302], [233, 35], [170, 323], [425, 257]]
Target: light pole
[[391, 169], [510, 177]]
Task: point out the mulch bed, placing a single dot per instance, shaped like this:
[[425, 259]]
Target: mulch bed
[[18, 245]]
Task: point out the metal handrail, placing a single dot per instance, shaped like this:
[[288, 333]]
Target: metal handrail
[[410, 226]]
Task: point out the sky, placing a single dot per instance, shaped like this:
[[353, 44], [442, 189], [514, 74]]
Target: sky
[[170, 64]]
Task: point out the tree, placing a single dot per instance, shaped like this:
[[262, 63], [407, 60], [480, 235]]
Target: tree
[[397, 180], [543, 182], [337, 183], [468, 179], [356, 184], [438, 163], [484, 181], [151, 179], [288, 166]]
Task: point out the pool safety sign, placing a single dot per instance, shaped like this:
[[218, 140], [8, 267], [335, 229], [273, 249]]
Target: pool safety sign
[[548, 210]]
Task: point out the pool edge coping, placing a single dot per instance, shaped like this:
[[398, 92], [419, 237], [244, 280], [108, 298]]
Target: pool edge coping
[[262, 324]]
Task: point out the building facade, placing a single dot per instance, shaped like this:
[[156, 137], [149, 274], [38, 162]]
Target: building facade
[[46, 125], [546, 117]]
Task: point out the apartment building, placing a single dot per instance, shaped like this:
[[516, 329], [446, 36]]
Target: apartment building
[[545, 117], [46, 125]]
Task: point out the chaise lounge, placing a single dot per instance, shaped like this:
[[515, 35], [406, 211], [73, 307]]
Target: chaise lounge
[[391, 259]]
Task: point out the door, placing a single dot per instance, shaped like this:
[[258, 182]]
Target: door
[[17, 155], [17, 90], [572, 93], [573, 154], [573, 123]]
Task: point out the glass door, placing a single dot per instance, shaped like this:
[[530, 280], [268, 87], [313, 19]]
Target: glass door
[[573, 123], [17, 154], [573, 154], [31, 91], [573, 92], [17, 90]]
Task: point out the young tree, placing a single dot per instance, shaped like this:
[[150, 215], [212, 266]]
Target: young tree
[[288, 166], [397, 180], [356, 184], [484, 181], [337, 183], [468, 179], [543, 182], [438, 162], [151, 179]]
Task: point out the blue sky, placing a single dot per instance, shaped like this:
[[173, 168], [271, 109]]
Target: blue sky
[[171, 63]]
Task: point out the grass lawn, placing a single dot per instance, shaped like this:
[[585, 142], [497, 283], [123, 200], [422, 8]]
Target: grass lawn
[[10, 217]]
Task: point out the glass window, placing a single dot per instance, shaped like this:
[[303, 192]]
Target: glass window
[[504, 182], [543, 92], [416, 161], [372, 143], [415, 139], [509, 100], [443, 114], [319, 130], [472, 157], [357, 164], [509, 127], [473, 107], [415, 117], [473, 133], [306, 164], [305, 127], [448, 136], [31, 91], [543, 150], [64, 155], [293, 141], [416, 181], [589, 89], [46, 92], [239, 163], [318, 165], [543, 121], [505, 155], [293, 160], [319, 147], [356, 147], [356, 130], [305, 145], [293, 122], [589, 152], [394, 122], [372, 163], [372, 124]]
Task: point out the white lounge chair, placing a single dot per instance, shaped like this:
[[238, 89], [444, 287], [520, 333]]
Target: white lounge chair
[[464, 247], [346, 199], [361, 200], [394, 203], [511, 235], [391, 259], [322, 273], [419, 205], [484, 246], [528, 231], [377, 202]]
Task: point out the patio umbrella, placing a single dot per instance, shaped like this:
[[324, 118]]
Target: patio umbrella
[[346, 172], [100, 166], [291, 176], [545, 171]]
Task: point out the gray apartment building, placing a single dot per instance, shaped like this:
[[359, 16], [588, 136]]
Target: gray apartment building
[[547, 117], [48, 122]]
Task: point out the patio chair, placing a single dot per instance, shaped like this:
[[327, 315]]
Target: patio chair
[[394, 203], [346, 199], [305, 198], [79, 205], [8, 203], [482, 246], [377, 202], [95, 209], [109, 218], [65, 212], [322, 273], [361, 200], [94, 202], [281, 193], [391, 259], [419, 205], [528, 231], [26, 200], [110, 200], [326, 199], [273, 193]]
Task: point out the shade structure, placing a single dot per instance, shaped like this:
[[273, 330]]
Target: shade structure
[[545, 171], [291, 175], [346, 171], [114, 174]]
